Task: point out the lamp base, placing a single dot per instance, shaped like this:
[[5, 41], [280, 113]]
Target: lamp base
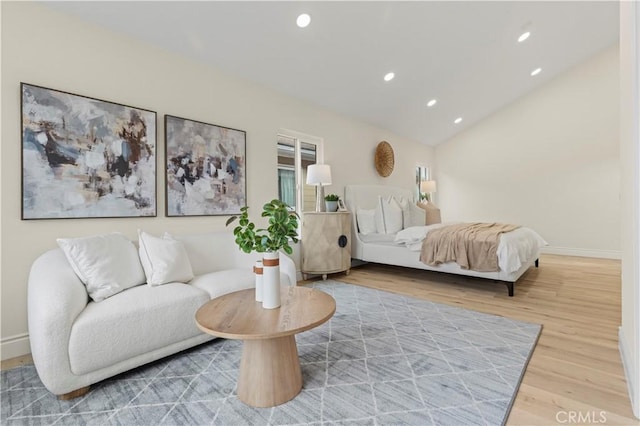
[[320, 206]]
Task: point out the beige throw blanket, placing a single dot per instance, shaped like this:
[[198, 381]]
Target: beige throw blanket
[[471, 245]]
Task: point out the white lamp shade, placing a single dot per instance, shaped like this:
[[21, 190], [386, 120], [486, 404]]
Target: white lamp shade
[[428, 186], [319, 174]]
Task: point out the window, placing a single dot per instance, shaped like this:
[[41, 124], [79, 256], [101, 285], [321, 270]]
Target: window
[[296, 151], [422, 174]]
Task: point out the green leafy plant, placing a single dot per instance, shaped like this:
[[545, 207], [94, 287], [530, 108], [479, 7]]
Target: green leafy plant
[[282, 229], [331, 197]]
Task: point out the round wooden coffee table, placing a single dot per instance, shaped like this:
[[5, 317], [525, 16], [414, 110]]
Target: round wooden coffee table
[[270, 368]]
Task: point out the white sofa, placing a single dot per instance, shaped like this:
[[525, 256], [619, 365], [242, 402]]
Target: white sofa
[[76, 342]]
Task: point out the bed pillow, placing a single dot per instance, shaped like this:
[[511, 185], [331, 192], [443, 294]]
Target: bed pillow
[[164, 259], [392, 214], [412, 215], [432, 213], [378, 219], [366, 220], [106, 264]]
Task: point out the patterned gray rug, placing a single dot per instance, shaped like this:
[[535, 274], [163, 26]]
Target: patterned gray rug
[[382, 359]]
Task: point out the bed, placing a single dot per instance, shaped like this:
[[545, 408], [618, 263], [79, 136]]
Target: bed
[[517, 251]]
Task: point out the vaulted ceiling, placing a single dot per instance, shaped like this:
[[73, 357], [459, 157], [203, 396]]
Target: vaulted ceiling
[[463, 54]]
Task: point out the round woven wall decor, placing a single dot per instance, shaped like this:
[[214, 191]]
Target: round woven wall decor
[[384, 159]]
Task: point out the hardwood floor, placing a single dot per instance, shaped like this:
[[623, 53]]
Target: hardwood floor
[[16, 362], [576, 365]]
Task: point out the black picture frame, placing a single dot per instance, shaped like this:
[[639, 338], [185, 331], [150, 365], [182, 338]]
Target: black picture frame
[[205, 170], [84, 157]]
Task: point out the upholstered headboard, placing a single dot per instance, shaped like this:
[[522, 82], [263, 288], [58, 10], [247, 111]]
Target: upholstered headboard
[[365, 197]]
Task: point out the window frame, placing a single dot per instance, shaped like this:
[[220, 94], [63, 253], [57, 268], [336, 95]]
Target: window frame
[[299, 138], [420, 179]]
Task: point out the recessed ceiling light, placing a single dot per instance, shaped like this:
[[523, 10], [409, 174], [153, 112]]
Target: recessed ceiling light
[[457, 120], [303, 20], [536, 71], [389, 76], [431, 103], [523, 37]]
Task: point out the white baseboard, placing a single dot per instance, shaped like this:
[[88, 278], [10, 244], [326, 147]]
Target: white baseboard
[[631, 375], [570, 251], [14, 346]]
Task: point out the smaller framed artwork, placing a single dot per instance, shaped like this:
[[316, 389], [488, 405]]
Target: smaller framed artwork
[[85, 158], [341, 206], [205, 168]]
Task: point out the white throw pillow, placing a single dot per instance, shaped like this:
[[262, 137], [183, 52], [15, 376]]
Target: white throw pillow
[[406, 212], [412, 215], [379, 218], [366, 221], [106, 264], [164, 259], [392, 214]]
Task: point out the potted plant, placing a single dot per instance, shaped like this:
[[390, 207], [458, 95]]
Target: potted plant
[[281, 230], [331, 202]]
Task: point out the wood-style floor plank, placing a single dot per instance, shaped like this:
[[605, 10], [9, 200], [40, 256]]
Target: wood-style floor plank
[[576, 364]]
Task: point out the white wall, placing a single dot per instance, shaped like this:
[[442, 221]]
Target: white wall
[[49, 49], [549, 161], [629, 334]]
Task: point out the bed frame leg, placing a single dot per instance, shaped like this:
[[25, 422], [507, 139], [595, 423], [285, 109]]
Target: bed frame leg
[[536, 262], [510, 288]]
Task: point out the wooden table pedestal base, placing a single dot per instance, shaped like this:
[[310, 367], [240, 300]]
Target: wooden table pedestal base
[[269, 372]]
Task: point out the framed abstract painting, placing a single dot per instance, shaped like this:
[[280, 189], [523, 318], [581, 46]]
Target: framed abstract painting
[[206, 168], [85, 158]]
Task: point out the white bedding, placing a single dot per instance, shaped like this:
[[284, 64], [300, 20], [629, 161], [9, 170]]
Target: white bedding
[[378, 238], [514, 250]]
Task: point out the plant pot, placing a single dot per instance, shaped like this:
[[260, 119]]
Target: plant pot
[[271, 280], [332, 206], [258, 270]]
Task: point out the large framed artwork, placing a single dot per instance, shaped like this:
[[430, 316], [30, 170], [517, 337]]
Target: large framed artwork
[[85, 158], [206, 168]]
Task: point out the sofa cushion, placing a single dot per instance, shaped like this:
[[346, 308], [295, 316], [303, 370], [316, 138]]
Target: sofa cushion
[[106, 264], [219, 283], [131, 323], [164, 260]]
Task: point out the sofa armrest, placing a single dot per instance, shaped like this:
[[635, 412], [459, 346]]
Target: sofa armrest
[[56, 296], [288, 268]]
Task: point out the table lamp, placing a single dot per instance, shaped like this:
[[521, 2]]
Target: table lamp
[[428, 187], [319, 175]]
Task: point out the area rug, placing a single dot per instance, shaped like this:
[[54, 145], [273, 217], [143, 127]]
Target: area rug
[[383, 359]]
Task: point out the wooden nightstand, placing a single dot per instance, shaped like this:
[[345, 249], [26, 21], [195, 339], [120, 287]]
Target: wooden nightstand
[[326, 243]]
